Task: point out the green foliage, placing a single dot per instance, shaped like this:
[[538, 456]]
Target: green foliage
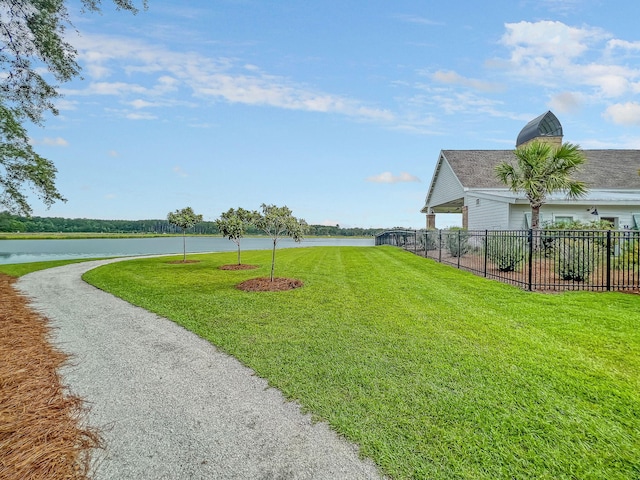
[[278, 222], [20, 165], [506, 250], [540, 170], [629, 256], [593, 230], [578, 225], [576, 258], [457, 241], [429, 240], [234, 223], [185, 219], [33, 42], [433, 372]]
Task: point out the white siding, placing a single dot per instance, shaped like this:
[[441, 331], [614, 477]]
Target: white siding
[[447, 188], [548, 213], [486, 214]]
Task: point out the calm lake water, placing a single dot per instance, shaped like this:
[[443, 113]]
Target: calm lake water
[[24, 251]]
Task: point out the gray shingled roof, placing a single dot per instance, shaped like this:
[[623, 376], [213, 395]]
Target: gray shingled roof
[[606, 169]]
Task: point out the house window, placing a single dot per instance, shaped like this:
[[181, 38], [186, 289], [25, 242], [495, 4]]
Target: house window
[[562, 219], [612, 220], [636, 221]]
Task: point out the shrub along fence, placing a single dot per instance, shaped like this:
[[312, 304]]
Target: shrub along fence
[[599, 260]]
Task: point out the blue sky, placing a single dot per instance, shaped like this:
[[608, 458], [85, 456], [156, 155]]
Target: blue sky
[[337, 109]]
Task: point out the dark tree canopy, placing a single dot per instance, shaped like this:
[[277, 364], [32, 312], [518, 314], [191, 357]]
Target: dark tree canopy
[[31, 42]]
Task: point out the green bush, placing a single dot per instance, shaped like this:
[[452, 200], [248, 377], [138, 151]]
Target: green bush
[[429, 240], [576, 258], [457, 241], [629, 258], [555, 231], [506, 250]]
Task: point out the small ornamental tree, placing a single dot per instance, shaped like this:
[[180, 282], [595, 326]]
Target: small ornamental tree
[[233, 224], [184, 219], [278, 222]]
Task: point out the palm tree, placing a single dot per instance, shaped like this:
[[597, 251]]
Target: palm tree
[[542, 169]]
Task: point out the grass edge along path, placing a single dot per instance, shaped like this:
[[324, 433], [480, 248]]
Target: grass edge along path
[[433, 372]]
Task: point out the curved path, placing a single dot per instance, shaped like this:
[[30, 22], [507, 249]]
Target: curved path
[[169, 404]]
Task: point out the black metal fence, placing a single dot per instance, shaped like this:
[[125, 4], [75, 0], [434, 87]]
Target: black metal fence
[[599, 260]]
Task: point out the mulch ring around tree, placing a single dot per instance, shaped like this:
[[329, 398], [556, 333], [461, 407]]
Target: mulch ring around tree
[[237, 266], [176, 262], [267, 285]]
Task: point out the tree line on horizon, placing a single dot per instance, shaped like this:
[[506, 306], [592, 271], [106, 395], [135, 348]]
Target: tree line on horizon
[[10, 223]]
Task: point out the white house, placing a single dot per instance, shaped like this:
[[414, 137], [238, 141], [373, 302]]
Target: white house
[[465, 182]]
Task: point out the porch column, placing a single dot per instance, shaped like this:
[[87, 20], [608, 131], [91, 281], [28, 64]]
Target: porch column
[[465, 217], [431, 221]]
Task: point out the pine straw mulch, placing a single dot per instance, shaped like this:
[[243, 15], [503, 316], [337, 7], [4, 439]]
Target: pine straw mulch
[[238, 266], [42, 432], [268, 285]]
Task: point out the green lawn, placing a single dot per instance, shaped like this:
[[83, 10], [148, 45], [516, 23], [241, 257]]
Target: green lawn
[[19, 269], [435, 373]]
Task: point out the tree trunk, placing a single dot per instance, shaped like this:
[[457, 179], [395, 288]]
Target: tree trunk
[[535, 217], [273, 259], [238, 254], [535, 226], [184, 245]]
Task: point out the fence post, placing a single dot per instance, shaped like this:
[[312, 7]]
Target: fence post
[[530, 257], [415, 242], [459, 248], [486, 246], [440, 245], [608, 260]]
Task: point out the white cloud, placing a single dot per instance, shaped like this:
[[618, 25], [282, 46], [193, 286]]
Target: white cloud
[[624, 113], [623, 45], [179, 171], [452, 78], [388, 177], [417, 19], [50, 142], [547, 42], [213, 78], [139, 103], [584, 65], [140, 116], [566, 102], [55, 142]]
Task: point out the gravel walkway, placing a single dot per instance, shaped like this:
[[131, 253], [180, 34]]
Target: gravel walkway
[[170, 405]]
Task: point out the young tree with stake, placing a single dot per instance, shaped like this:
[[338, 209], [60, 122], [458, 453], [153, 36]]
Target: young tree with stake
[[233, 224], [278, 222], [184, 219]]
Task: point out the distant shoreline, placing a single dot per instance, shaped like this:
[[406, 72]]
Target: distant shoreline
[[90, 235]]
